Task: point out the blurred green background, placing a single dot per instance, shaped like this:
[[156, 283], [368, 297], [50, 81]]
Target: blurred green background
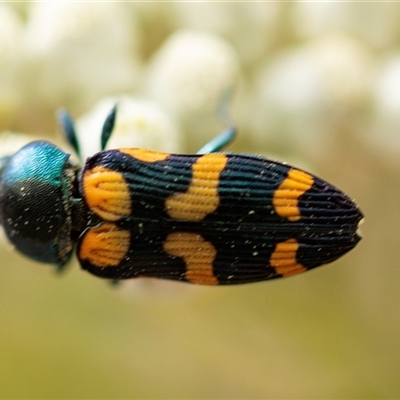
[[316, 84]]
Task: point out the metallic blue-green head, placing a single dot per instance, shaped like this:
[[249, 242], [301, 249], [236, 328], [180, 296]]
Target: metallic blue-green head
[[35, 202]]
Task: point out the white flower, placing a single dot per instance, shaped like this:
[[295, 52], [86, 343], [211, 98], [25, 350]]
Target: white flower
[[10, 36], [191, 75], [80, 51], [303, 92], [139, 123]]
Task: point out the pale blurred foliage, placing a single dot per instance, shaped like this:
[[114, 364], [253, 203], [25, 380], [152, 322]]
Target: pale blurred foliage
[[313, 81]]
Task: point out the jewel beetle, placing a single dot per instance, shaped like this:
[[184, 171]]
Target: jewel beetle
[[208, 218]]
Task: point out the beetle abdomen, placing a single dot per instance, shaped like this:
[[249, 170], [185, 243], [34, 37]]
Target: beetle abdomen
[[215, 219]]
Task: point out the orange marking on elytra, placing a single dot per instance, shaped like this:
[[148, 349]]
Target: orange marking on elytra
[[202, 196], [145, 155], [286, 196], [105, 245], [106, 193], [283, 259], [197, 253]]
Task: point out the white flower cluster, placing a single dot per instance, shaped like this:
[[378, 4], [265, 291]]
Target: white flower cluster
[[293, 73], [139, 123]]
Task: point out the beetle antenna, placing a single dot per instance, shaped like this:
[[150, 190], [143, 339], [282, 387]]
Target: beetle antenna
[[108, 127], [67, 125]]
